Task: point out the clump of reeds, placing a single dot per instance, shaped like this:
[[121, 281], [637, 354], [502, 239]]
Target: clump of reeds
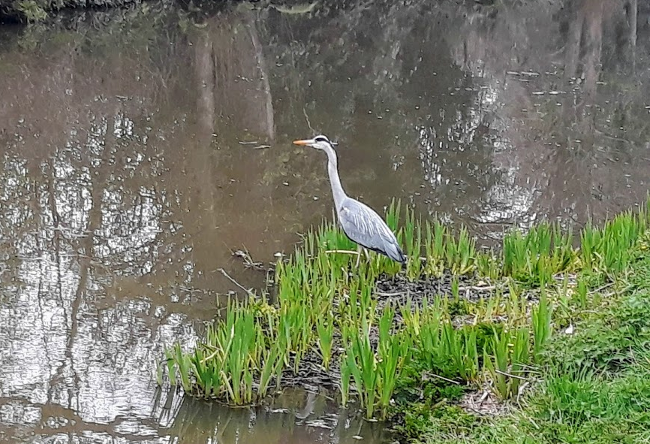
[[325, 304]]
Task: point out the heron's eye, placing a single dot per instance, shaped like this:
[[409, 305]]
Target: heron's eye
[[321, 139]]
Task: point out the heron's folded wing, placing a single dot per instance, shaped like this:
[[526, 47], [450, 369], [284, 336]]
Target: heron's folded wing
[[364, 226]]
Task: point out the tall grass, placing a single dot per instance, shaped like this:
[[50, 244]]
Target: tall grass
[[539, 254], [375, 368], [607, 249]]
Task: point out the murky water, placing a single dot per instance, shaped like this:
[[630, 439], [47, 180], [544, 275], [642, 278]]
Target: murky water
[[139, 147]]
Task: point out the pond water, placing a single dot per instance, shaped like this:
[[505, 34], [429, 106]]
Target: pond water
[[140, 147]]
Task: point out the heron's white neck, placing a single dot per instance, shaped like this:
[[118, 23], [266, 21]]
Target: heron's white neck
[[335, 181]]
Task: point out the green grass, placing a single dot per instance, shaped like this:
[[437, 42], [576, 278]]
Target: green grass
[[411, 362], [593, 386]]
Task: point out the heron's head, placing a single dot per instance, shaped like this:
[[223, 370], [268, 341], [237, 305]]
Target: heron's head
[[319, 142]]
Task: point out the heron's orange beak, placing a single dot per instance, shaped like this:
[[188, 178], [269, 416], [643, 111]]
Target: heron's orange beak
[[301, 142]]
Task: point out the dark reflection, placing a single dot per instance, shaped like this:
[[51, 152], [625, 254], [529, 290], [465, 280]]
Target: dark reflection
[[140, 146], [294, 417]]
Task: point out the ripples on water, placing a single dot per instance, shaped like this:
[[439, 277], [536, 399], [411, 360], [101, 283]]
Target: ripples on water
[[139, 146]]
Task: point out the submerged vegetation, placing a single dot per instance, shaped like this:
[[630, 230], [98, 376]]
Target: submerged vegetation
[[528, 323]]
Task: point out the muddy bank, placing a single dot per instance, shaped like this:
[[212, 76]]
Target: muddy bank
[[29, 11], [39, 10]]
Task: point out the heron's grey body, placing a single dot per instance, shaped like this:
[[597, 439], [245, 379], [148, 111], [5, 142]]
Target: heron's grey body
[[362, 225], [358, 221]]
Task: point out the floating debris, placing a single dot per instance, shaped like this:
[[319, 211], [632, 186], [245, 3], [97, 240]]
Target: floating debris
[[248, 260], [319, 423], [296, 9]]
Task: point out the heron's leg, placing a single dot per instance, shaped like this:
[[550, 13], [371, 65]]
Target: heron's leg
[[358, 255]]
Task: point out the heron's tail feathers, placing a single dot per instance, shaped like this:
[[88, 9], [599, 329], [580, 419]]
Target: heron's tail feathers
[[394, 252]]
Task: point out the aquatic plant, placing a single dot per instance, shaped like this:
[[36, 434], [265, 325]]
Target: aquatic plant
[[374, 369], [325, 329], [460, 252], [541, 325], [608, 249], [539, 254], [507, 359], [434, 246]]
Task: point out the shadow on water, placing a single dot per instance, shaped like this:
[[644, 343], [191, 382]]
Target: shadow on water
[[140, 146], [294, 417]]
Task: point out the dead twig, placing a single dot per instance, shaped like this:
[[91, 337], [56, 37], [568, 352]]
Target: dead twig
[[342, 251], [475, 288], [511, 375], [381, 293], [247, 259], [304, 111], [443, 378], [249, 292]]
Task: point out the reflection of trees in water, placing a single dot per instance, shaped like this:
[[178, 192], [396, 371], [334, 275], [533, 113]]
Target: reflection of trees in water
[[283, 421], [497, 152], [568, 149], [233, 75]]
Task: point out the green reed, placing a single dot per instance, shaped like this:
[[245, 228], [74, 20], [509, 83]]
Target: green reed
[[461, 346], [325, 330], [439, 346], [488, 265], [393, 350], [506, 360], [460, 252], [581, 292], [607, 249], [226, 363], [361, 363], [374, 369], [541, 325], [237, 346], [435, 247], [412, 241], [539, 254]]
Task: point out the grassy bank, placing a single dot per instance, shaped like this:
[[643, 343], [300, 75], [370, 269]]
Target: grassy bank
[[527, 343]]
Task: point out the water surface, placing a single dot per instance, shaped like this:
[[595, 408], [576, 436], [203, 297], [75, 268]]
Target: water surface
[[139, 147]]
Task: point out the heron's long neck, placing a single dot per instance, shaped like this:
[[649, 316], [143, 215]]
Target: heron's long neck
[[335, 181]]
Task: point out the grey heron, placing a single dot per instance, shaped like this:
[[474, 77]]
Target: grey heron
[[359, 222]]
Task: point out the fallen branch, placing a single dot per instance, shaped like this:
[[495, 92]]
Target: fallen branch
[[249, 292]]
